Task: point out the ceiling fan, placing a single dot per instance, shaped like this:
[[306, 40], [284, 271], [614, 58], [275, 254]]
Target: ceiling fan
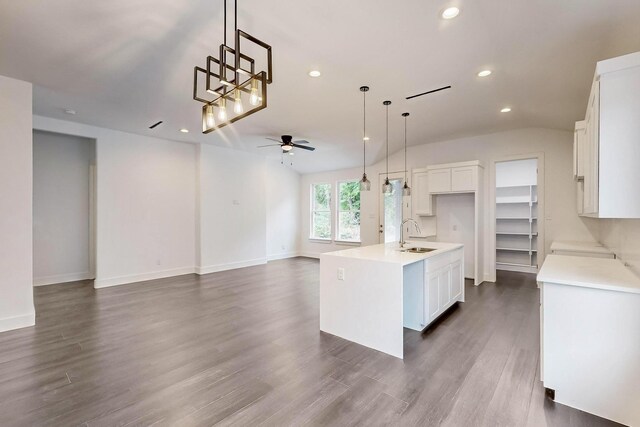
[[287, 144]]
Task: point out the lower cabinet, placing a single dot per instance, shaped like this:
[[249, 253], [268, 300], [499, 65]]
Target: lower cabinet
[[430, 287]]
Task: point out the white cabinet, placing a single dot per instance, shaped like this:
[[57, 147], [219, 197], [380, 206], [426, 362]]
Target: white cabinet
[[443, 285], [606, 152], [457, 280], [463, 178], [579, 136], [439, 180], [590, 324], [420, 196], [453, 177]]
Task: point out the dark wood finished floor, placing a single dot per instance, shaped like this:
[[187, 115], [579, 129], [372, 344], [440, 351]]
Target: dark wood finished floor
[[243, 348]]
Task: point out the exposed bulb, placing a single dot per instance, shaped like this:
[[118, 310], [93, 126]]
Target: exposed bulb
[[254, 96], [365, 184], [386, 187], [238, 108], [222, 110], [209, 117], [406, 190]]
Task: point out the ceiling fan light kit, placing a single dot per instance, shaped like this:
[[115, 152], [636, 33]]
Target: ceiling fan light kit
[[365, 184], [235, 73]]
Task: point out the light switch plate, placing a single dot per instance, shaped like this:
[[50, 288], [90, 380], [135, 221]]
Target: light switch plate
[[340, 273]]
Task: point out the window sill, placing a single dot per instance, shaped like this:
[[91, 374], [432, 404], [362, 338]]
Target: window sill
[[347, 243], [317, 240]]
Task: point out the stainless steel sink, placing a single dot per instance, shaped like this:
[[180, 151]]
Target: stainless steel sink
[[418, 250]]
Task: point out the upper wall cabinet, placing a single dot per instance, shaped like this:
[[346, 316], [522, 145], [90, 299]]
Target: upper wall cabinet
[[607, 144], [420, 196], [453, 178]]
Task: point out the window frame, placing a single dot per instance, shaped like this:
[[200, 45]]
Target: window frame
[[312, 199], [337, 215]]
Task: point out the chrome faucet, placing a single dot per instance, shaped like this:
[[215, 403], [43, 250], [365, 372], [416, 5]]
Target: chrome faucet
[[402, 242]]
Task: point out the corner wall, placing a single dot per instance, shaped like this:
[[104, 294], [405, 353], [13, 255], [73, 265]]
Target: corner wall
[[146, 203], [232, 215], [16, 188]]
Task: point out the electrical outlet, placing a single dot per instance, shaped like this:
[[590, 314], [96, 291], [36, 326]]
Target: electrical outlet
[[455, 227], [341, 273]]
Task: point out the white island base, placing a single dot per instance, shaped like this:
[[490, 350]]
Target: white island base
[[369, 294]]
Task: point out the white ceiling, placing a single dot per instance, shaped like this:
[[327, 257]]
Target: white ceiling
[[125, 64]]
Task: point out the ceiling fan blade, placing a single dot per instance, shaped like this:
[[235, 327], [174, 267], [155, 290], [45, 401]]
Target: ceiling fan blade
[[273, 139], [429, 91], [268, 145], [304, 147], [302, 141]]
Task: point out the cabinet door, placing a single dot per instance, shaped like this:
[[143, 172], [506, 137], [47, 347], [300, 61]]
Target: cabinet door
[[432, 299], [439, 180], [463, 178], [420, 194], [579, 137], [444, 284], [590, 202], [457, 281]]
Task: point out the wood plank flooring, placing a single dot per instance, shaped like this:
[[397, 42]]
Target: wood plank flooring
[[243, 348]]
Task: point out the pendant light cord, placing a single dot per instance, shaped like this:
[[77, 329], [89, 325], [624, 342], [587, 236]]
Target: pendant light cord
[[224, 38], [387, 142], [405, 149], [364, 132]]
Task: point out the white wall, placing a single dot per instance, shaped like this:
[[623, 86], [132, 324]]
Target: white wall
[[516, 172], [233, 224], [16, 180], [623, 237], [561, 222], [456, 224], [283, 209], [146, 202], [61, 212]]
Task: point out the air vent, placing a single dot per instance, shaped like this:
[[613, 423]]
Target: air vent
[[428, 92]]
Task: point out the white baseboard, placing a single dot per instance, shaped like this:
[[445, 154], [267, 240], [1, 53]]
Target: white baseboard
[[230, 266], [285, 255], [310, 254], [61, 278], [18, 322], [123, 280]]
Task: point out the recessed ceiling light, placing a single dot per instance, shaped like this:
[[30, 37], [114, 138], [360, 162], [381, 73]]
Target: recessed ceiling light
[[315, 73], [484, 73], [450, 13], [183, 130], [70, 111], [505, 110], [366, 138]]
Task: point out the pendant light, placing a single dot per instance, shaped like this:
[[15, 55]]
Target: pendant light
[[406, 190], [387, 188], [365, 184]]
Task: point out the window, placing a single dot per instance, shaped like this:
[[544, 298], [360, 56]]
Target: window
[[321, 211], [348, 211]]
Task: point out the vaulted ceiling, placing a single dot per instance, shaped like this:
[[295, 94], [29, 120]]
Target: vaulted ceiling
[[125, 64]]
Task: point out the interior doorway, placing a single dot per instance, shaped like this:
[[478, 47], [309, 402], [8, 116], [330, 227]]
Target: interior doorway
[[518, 212], [391, 208], [63, 208]]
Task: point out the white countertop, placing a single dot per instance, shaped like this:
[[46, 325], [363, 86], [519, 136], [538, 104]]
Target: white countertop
[[597, 273], [389, 252], [587, 247]]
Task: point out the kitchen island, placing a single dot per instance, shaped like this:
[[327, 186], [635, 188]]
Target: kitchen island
[[369, 294]]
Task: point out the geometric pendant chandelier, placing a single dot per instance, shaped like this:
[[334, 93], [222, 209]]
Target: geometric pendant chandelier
[[230, 80]]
